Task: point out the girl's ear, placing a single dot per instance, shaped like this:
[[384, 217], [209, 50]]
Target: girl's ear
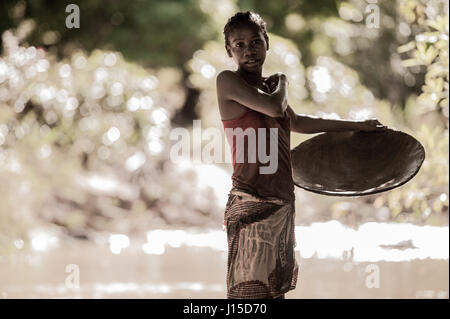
[[228, 50]]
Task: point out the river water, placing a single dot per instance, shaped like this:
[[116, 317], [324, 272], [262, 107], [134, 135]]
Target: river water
[[376, 260]]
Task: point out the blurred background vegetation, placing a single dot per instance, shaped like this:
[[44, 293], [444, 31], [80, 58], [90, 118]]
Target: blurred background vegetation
[[85, 114]]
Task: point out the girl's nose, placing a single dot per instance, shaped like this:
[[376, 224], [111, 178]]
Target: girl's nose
[[249, 50]]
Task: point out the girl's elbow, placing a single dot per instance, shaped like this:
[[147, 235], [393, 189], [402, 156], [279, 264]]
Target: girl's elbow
[[275, 110], [276, 107], [278, 112], [298, 127]]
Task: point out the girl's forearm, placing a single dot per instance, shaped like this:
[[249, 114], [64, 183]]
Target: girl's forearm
[[312, 124], [281, 94]]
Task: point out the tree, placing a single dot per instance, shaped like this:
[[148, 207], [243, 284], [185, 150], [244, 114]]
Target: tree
[[151, 32]]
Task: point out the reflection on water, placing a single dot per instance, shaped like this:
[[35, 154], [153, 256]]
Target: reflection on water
[[117, 242], [334, 262], [370, 242], [373, 241], [41, 240], [99, 290]]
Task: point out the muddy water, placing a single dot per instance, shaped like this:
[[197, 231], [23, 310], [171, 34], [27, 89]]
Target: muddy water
[[190, 271]]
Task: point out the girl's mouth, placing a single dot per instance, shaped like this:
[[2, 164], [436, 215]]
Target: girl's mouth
[[252, 61]]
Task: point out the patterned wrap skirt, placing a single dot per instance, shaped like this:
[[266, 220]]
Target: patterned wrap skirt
[[261, 239]]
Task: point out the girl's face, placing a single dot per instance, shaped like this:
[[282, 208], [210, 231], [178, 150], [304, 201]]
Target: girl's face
[[247, 48]]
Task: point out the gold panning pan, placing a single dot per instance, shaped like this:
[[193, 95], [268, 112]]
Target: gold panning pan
[[356, 163]]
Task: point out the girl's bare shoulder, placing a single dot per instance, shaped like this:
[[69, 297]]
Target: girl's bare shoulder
[[227, 77], [229, 109]]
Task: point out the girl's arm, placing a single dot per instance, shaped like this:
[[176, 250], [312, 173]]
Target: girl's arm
[[281, 92], [309, 124], [231, 86]]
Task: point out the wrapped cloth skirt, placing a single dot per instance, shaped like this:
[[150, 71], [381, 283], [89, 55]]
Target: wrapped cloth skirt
[[261, 239]]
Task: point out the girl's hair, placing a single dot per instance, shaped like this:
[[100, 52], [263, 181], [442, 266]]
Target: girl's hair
[[248, 17]]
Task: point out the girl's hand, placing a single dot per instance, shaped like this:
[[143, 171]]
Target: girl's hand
[[271, 82], [370, 125]]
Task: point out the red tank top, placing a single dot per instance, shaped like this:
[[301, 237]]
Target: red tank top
[[247, 176]]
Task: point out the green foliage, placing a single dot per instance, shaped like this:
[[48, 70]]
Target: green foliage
[[424, 199], [430, 48], [84, 142], [151, 32]]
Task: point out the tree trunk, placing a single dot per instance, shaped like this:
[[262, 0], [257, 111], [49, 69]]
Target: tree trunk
[[187, 113]]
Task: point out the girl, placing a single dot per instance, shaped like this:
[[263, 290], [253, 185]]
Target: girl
[[260, 212]]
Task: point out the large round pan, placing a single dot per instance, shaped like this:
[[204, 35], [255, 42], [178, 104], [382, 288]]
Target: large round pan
[[356, 163]]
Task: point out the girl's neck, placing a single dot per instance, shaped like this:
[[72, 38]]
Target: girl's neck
[[252, 78]]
